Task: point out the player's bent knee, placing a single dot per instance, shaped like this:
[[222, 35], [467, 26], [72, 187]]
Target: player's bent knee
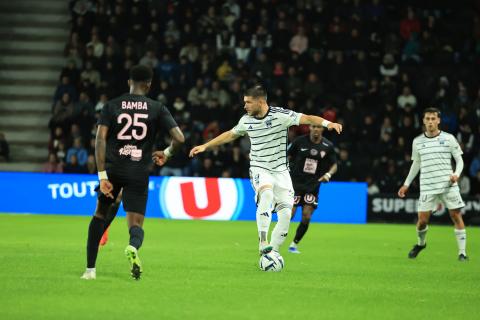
[[265, 194]]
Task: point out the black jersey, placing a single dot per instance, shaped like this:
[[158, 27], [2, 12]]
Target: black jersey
[[133, 123], [310, 161]]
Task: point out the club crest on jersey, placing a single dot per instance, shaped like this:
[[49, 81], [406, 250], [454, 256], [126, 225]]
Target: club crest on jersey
[[314, 152], [441, 141], [322, 153], [250, 127], [268, 123]]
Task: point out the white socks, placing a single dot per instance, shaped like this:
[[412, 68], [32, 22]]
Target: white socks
[[264, 213], [461, 235], [421, 235], [280, 231]]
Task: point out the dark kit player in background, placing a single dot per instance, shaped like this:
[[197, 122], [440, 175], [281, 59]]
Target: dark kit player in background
[[312, 160], [127, 130]]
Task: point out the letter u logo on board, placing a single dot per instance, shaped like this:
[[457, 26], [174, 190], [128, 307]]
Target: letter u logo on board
[[213, 198]]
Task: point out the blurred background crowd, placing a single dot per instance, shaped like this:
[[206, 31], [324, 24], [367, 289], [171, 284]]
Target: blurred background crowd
[[372, 65]]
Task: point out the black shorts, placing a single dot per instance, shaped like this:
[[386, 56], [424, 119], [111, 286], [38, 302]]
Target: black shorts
[[135, 190], [306, 198]]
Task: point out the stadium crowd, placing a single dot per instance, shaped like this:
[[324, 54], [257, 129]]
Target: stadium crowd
[[372, 65]]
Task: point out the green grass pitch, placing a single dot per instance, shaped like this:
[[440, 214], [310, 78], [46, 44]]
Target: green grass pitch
[[209, 270]]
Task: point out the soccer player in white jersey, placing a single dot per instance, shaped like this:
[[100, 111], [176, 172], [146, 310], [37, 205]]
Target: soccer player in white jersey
[[432, 154], [267, 128]]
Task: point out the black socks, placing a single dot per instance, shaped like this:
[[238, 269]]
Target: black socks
[[301, 230], [136, 236], [95, 232]]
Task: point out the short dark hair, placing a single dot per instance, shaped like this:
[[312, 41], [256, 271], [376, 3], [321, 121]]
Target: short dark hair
[[432, 110], [140, 73], [257, 91]]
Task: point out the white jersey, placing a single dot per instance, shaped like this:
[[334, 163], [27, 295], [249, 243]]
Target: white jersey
[[435, 156], [268, 137]]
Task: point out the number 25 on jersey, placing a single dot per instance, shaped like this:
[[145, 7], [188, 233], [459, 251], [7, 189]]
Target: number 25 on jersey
[[134, 121]]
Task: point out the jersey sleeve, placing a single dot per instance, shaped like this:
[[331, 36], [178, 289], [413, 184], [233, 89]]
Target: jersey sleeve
[[166, 120], [415, 154], [332, 156], [292, 148], [240, 129], [455, 148], [106, 116], [288, 117]]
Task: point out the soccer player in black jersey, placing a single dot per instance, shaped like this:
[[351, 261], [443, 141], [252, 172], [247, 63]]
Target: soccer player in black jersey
[[312, 160], [127, 130]]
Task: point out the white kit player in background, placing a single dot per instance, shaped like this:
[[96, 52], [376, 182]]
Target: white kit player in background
[[432, 154], [267, 128]]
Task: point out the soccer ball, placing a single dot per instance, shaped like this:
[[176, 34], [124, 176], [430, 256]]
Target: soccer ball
[[271, 262]]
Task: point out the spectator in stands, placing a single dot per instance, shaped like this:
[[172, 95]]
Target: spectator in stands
[[474, 169], [90, 74], [219, 94], [242, 52], [65, 86], [406, 98], [149, 59], [198, 95], [73, 166], [77, 150], [91, 165], [372, 189], [62, 113], [97, 45], [388, 67], [299, 42], [57, 138], [52, 165], [409, 25], [101, 102], [4, 148]]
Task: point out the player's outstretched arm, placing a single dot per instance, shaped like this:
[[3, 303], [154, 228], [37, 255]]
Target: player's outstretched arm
[[178, 139], [226, 137], [100, 151], [319, 121], [414, 169], [328, 175]]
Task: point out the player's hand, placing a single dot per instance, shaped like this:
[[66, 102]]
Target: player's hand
[[402, 191], [335, 126], [106, 188], [196, 150], [159, 158], [324, 178], [453, 178]]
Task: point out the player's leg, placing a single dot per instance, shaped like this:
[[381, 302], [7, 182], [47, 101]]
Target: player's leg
[[302, 227], [135, 229], [460, 233], [264, 216], [111, 214], [262, 183], [426, 203], [135, 202], [95, 231], [284, 199], [454, 202], [422, 228]]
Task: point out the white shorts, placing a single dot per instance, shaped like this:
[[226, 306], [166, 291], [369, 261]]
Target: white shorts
[[280, 181], [451, 200]]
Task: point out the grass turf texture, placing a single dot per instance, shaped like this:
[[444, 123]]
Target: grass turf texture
[[209, 270]]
